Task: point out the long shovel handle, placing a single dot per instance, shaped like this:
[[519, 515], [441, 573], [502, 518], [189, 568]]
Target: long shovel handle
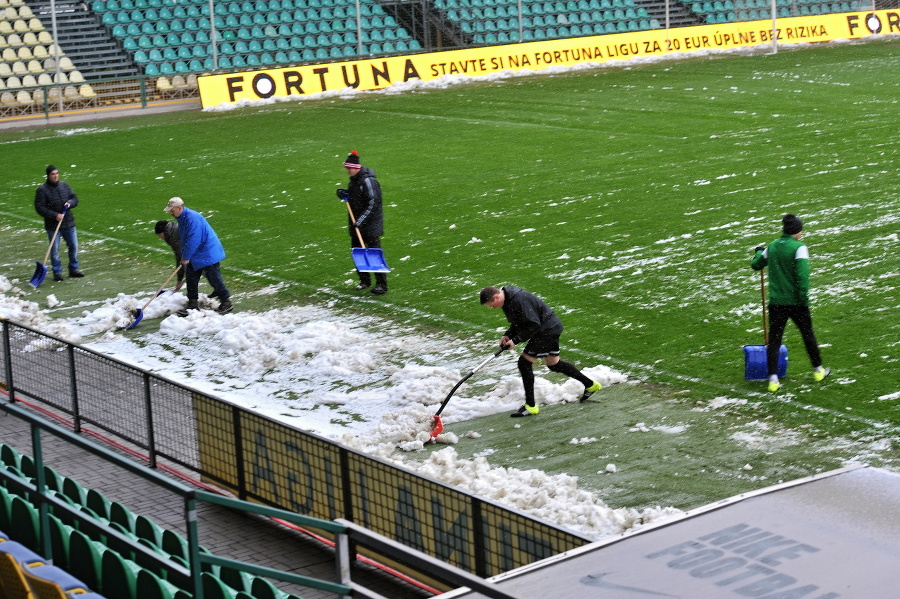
[[465, 378], [762, 285], [163, 286], [353, 218], [55, 233]]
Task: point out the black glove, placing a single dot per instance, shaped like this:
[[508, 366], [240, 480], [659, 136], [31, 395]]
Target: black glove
[[343, 194], [759, 248]]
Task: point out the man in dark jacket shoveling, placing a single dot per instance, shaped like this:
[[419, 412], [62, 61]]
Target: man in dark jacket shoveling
[[167, 230], [364, 197], [532, 320], [54, 200]]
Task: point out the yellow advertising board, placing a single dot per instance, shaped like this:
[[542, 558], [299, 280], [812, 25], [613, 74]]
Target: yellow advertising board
[[378, 73]]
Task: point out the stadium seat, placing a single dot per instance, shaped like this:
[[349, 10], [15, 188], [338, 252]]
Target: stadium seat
[[22, 554], [12, 581], [23, 525], [47, 580]]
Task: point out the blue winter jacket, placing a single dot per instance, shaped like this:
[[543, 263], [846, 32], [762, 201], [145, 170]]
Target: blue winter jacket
[[199, 242]]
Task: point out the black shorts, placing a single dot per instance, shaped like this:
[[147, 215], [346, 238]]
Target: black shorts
[[541, 346]]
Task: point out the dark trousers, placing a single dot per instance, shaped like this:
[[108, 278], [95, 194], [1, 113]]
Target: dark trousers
[[365, 277], [778, 317], [213, 275]]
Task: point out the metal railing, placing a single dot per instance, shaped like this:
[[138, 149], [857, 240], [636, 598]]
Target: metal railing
[[265, 461], [347, 534]]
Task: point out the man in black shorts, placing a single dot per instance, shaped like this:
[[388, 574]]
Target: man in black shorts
[[532, 320]]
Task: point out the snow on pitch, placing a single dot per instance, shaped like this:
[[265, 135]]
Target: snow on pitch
[[369, 384]]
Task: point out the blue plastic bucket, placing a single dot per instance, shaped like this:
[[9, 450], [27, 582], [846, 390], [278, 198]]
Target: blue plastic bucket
[[756, 365]]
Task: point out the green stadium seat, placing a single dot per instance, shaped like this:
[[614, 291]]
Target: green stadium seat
[[154, 587], [59, 541], [255, 46], [238, 61], [253, 60]]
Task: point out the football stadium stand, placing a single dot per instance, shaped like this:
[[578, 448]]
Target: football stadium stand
[[114, 52]]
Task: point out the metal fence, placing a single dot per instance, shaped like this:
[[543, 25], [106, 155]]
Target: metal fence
[[24, 98], [263, 460], [36, 530]]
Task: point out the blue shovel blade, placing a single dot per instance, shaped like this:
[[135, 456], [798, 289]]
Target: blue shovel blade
[[369, 260], [138, 317], [37, 278]]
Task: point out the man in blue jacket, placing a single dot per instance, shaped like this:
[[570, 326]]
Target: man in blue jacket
[[201, 252]]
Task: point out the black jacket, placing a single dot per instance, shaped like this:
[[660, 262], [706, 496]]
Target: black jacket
[[365, 201], [50, 200], [170, 236], [528, 315]]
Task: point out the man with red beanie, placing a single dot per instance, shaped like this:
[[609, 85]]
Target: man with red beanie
[[364, 196]]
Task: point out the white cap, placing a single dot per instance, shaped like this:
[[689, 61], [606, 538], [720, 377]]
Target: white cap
[[173, 203]]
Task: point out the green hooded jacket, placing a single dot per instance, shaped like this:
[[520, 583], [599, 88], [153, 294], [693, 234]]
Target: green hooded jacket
[[788, 262]]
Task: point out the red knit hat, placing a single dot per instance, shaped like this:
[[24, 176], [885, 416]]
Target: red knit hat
[[352, 160]]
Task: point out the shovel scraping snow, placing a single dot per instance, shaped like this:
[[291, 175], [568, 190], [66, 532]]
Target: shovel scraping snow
[[437, 426], [40, 271], [139, 313]]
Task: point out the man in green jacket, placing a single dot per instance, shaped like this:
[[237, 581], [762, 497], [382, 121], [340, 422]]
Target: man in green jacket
[[788, 260]]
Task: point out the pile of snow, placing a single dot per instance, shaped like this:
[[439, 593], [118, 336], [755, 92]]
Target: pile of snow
[[369, 383]]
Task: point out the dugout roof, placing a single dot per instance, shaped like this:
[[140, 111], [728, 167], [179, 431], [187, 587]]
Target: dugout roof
[[830, 536]]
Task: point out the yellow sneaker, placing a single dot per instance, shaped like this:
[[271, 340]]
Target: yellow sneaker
[[774, 386], [525, 410], [820, 374], [588, 391]]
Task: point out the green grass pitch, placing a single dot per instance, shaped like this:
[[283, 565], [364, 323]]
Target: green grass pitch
[[629, 198]]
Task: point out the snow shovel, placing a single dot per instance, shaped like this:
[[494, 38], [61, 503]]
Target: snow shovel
[[139, 313], [40, 271], [366, 259], [756, 366], [438, 426]]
